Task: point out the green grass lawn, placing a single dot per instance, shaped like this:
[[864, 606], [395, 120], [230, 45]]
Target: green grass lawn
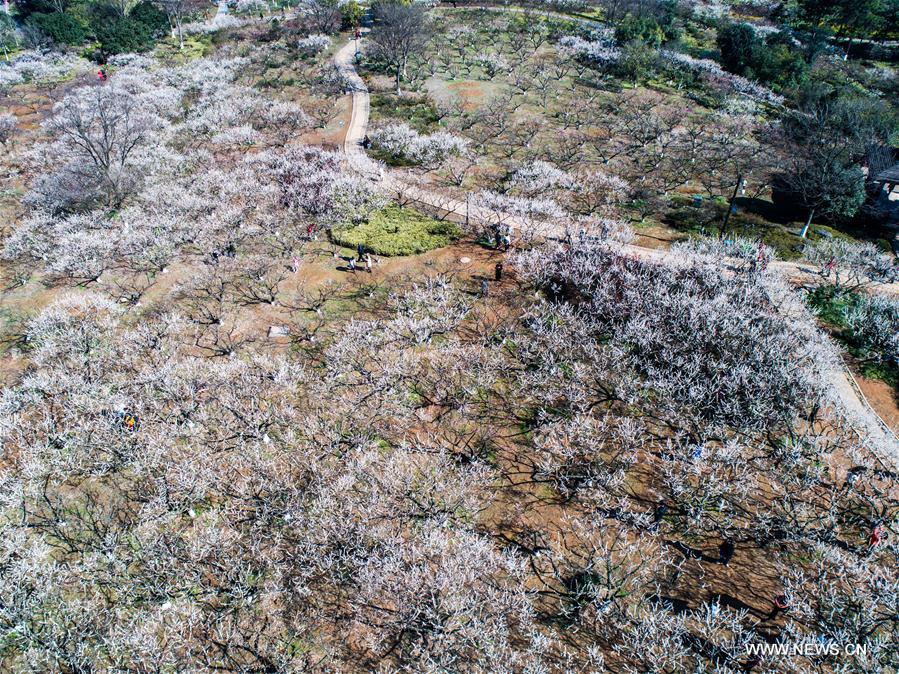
[[393, 231]]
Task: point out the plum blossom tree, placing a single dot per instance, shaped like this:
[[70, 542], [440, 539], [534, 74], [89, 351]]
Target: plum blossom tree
[[529, 219], [597, 192], [609, 463], [538, 178], [103, 147], [292, 481], [848, 266], [874, 322], [313, 44], [402, 32], [600, 50], [8, 127], [401, 142], [176, 11]]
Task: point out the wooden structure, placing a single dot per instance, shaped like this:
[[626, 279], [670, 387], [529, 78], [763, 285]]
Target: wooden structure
[[888, 178]]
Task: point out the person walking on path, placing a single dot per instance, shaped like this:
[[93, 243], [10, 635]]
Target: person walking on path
[[368, 263], [352, 265], [485, 288], [498, 272], [360, 250]]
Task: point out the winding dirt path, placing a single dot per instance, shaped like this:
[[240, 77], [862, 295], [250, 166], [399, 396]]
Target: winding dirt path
[[861, 416]]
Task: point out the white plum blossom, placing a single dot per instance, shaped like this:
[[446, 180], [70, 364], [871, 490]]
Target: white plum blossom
[[745, 253], [313, 44], [874, 322], [8, 126], [850, 264], [713, 70], [539, 177], [130, 60], [527, 218], [250, 7], [599, 50], [595, 190], [493, 63], [219, 22], [400, 141], [39, 68], [237, 136]]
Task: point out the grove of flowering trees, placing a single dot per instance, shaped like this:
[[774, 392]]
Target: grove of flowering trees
[[607, 460], [126, 145], [375, 500]]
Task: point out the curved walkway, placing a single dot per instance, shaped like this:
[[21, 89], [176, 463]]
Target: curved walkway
[[862, 417]]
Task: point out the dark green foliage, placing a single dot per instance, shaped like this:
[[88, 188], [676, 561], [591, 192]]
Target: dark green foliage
[[870, 19], [417, 111], [773, 61], [351, 15], [669, 19], [642, 29], [639, 61], [738, 45], [61, 28], [25, 8], [152, 17], [7, 32], [834, 190], [121, 35]]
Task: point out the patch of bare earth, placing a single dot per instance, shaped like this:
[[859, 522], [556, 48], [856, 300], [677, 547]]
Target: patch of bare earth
[[882, 398]]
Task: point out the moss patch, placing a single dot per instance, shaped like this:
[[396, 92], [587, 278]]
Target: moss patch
[[398, 231]]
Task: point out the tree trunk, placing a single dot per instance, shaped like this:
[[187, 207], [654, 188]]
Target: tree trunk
[[180, 37], [399, 74], [808, 223]]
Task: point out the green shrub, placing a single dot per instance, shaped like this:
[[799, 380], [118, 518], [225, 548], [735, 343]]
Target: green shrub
[[122, 35], [643, 29], [739, 47], [8, 39], [152, 17], [394, 231], [61, 28], [350, 15], [774, 60]]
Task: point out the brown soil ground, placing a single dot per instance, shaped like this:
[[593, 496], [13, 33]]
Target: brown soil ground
[[471, 92], [655, 236], [883, 399], [333, 135]]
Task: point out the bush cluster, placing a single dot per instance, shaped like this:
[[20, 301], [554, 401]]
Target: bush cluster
[[61, 28], [773, 60], [393, 231], [115, 32]]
